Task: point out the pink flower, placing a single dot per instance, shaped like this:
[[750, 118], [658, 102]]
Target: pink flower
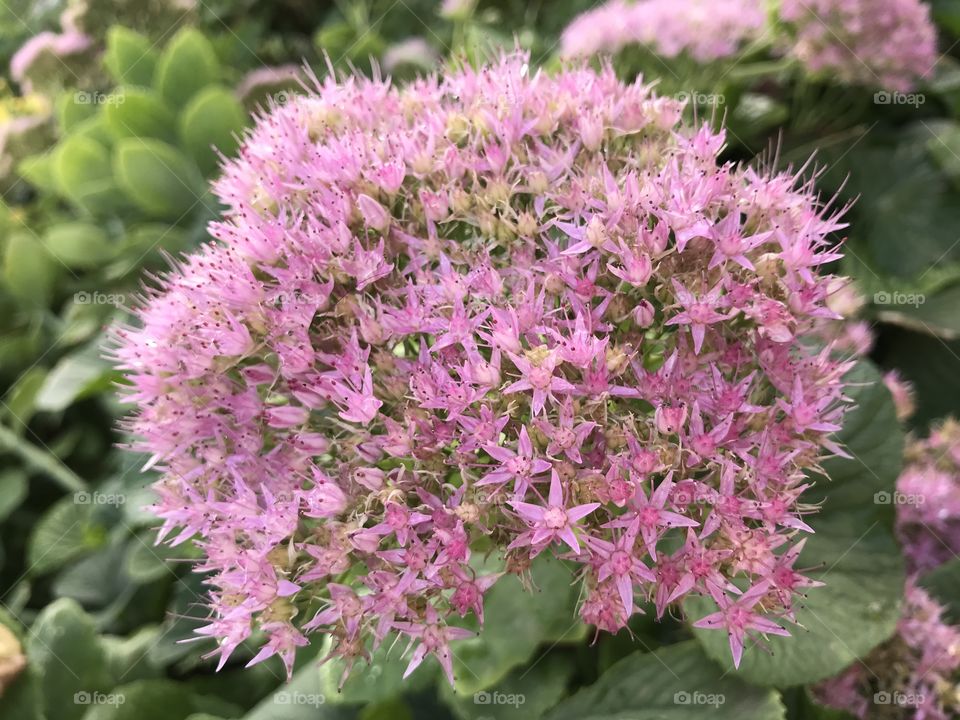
[[552, 523], [738, 617]]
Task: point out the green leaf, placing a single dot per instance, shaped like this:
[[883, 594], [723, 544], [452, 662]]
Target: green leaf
[[145, 562], [856, 610], [71, 113], [156, 177], [381, 680], [188, 64], [38, 171], [80, 160], [144, 700], [21, 399], [62, 534], [78, 244], [76, 376], [28, 269], [305, 697], [139, 112], [676, 682], [908, 210], [935, 314], [94, 580], [13, 490], [525, 692], [943, 583], [872, 435], [214, 118], [128, 657], [130, 57], [517, 622], [70, 662]]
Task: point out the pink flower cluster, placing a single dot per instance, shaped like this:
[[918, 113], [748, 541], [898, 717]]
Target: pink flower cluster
[[495, 313], [928, 498], [914, 675], [883, 43], [705, 29]]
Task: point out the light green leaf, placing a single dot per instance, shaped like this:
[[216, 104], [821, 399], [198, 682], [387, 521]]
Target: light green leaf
[[73, 378], [676, 682], [188, 64], [80, 160], [214, 118], [78, 244], [130, 57], [139, 112], [28, 269], [157, 177]]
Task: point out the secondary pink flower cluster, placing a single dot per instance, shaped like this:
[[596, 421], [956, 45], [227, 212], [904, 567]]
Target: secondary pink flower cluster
[[45, 47], [883, 43], [704, 29], [492, 314], [914, 675], [928, 498]]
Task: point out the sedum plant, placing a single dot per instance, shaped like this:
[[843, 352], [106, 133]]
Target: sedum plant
[[446, 329]]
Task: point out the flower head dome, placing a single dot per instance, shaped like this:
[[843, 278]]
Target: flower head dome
[[496, 306]]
